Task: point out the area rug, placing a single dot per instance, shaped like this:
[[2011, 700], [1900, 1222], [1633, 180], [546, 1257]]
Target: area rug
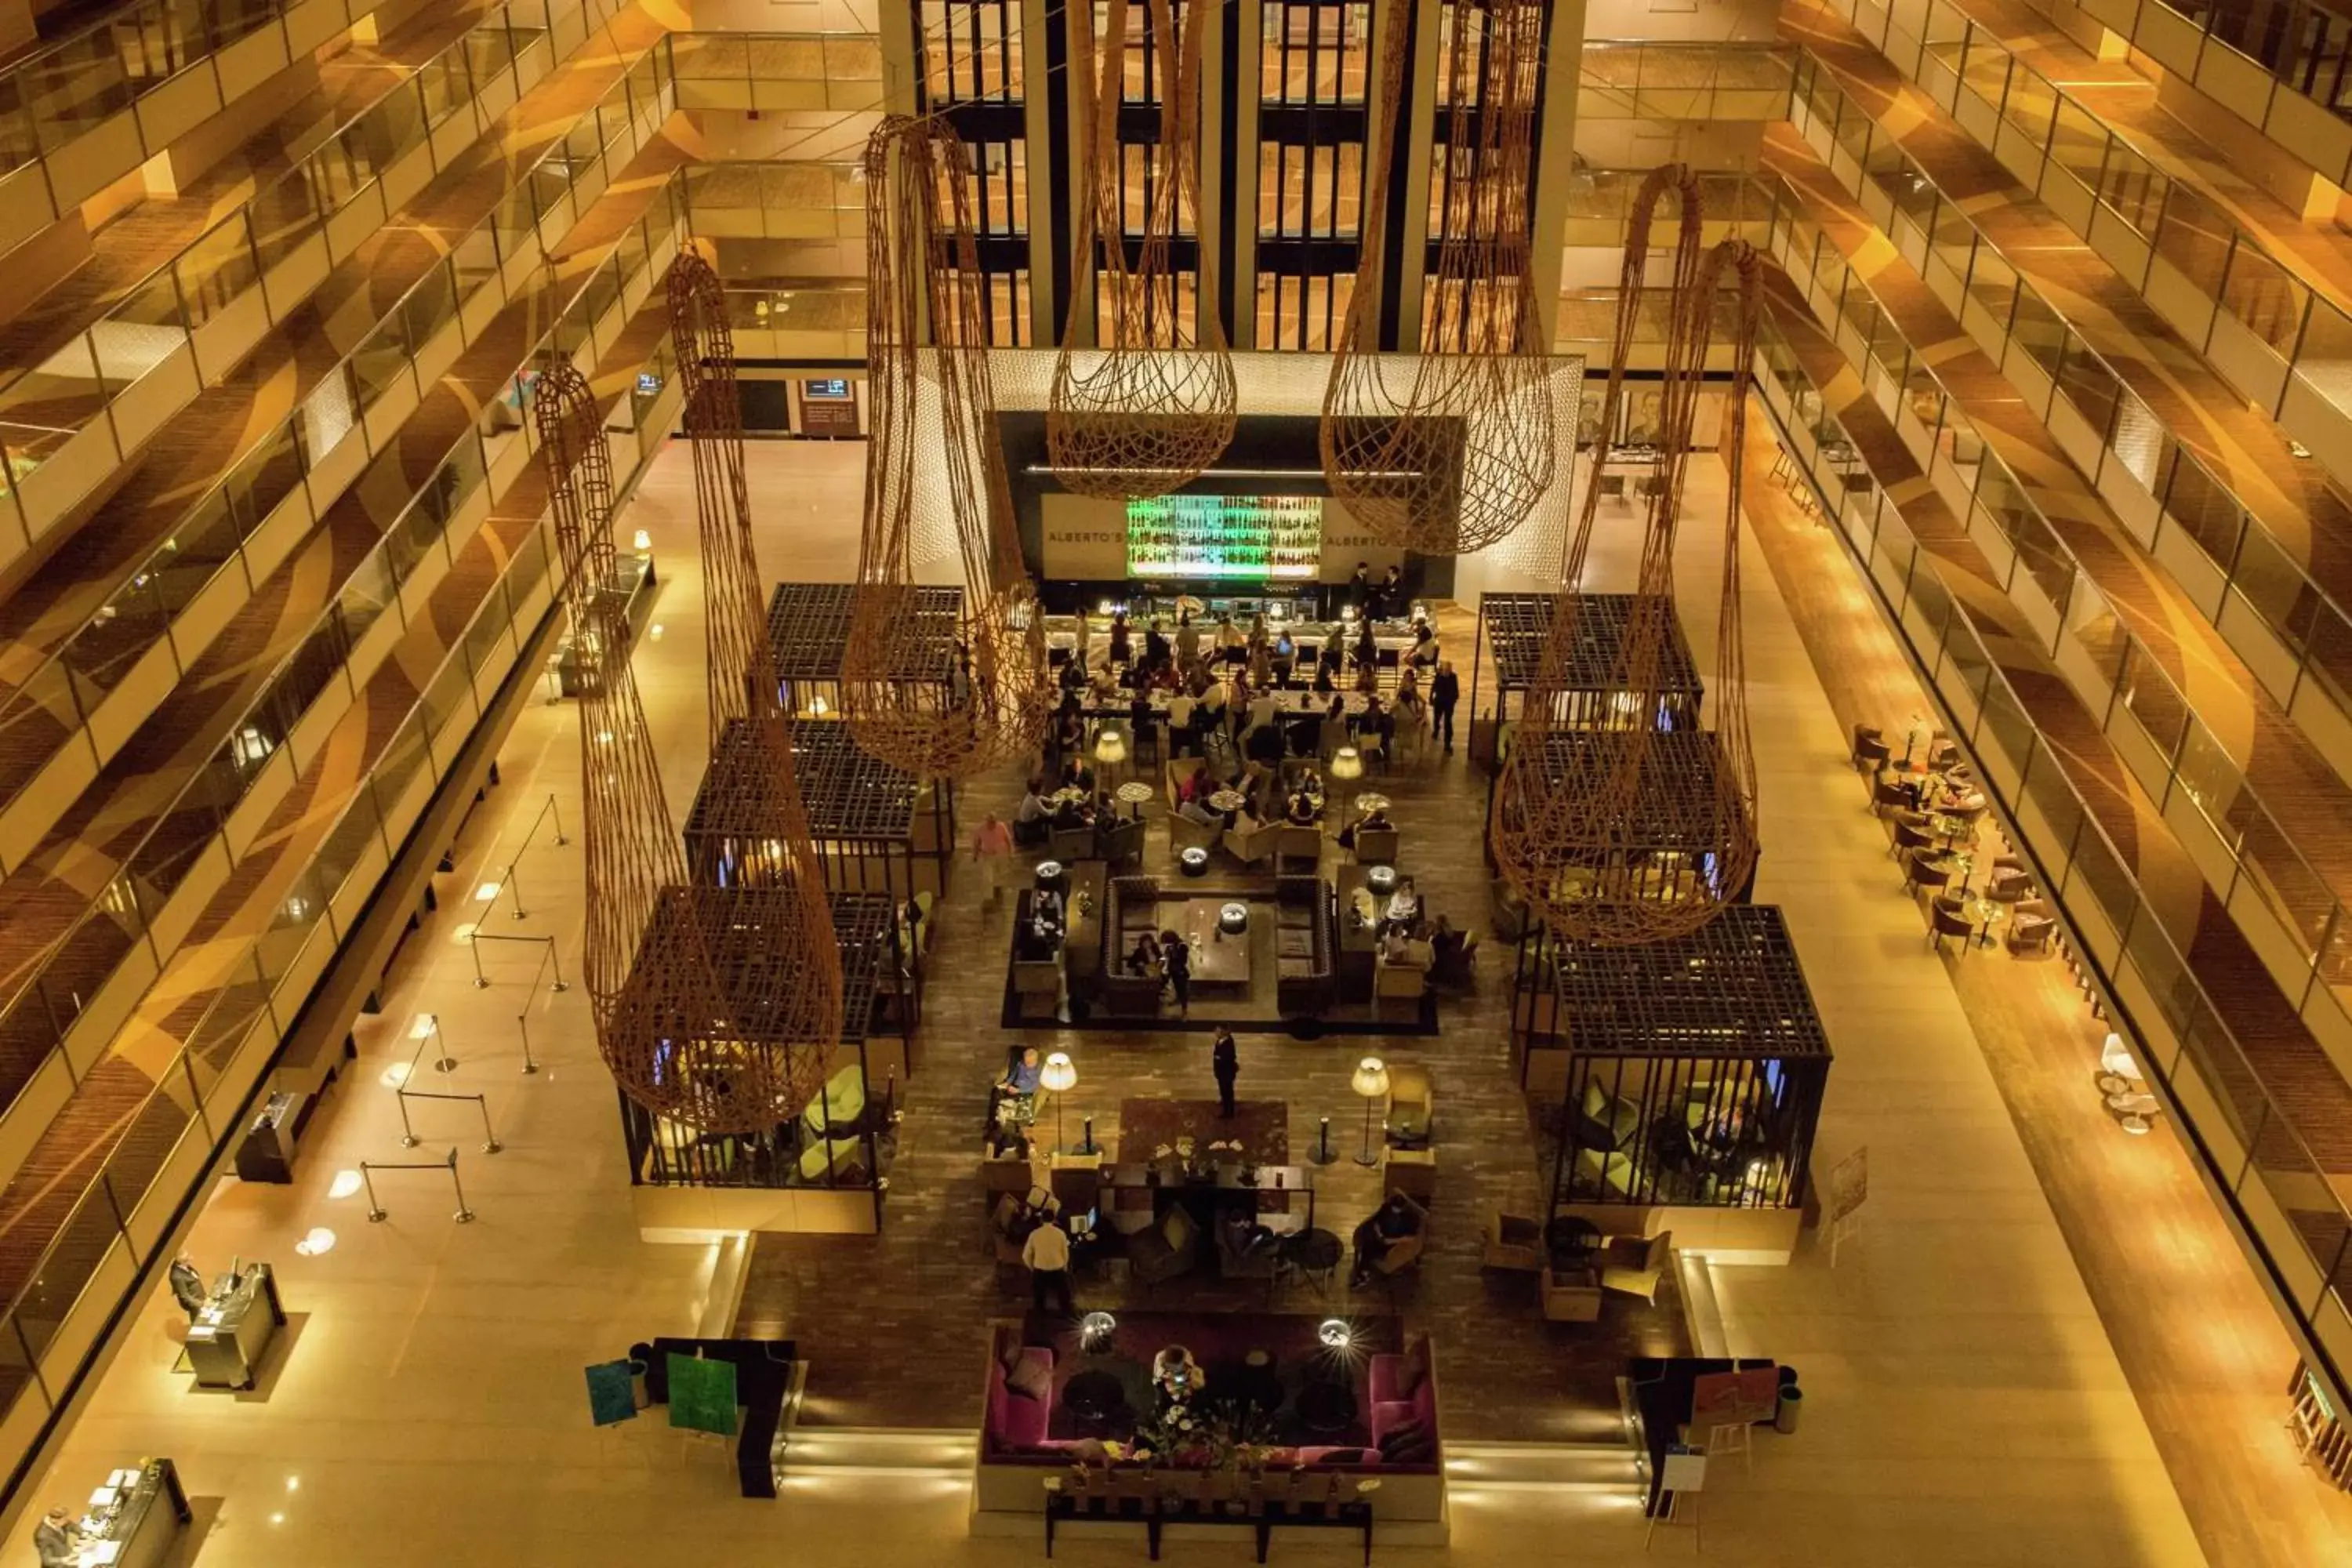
[[1263, 1126]]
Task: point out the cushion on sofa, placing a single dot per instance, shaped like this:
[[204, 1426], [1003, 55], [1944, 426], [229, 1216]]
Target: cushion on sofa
[[1608, 1123], [1030, 1378], [1177, 1228], [1596, 1171]]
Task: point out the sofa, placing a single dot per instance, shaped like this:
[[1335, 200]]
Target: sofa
[[1016, 1421], [1306, 945], [1404, 1406]]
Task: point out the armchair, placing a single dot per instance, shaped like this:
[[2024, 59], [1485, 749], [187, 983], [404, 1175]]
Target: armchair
[[1570, 1298], [1068, 845], [1166, 1250], [1947, 916], [1183, 834], [2032, 927], [1376, 846], [1251, 845], [1297, 843], [1409, 1106], [1632, 1266], [1405, 1251], [1245, 1252], [1514, 1242], [1122, 844]]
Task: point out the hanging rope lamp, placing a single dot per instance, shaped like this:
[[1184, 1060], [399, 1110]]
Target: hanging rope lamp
[[663, 1020], [938, 697], [1155, 403], [790, 992], [1606, 842], [1450, 450]]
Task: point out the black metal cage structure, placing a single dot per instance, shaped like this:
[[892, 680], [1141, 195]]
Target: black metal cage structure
[[844, 1138], [1689, 1072], [875, 828], [808, 634], [1509, 648]]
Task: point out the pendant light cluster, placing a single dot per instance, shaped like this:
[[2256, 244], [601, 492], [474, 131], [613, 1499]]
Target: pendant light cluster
[[1573, 821], [1449, 450], [1155, 404], [936, 701]]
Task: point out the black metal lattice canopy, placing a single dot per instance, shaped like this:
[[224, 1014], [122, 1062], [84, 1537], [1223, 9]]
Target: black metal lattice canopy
[[808, 630], [849, 795], [1731, 989], [738, 932], [1674, 804], [1518, 623]]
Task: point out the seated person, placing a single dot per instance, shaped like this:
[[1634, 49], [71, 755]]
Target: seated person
[[1197, 809], [1264, 743], [1243, 1236], [1071, 814], [1424, 645], [1246, 818], [1197, 785], [1176, 1376], [1375, 820], [1323, 680], [1074, 673], [1077, 774], [1029, 822], [1383, 1228], [1404, 905], [1302, 809], [1445, 945], [1368, 679], [1398, 947], [1145, 957], [1023, 1072]]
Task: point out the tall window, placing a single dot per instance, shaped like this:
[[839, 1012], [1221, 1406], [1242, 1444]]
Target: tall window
[[974, 73], [1314, 62], [1142, 169]]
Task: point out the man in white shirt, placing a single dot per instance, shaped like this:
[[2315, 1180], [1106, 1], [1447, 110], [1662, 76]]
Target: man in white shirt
[[1047, 1254]]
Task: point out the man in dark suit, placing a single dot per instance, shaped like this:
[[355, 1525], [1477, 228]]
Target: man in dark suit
[[1224, 1060], [1444, 692]]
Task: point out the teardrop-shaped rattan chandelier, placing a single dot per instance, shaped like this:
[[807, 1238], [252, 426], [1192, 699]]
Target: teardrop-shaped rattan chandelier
[[792, 990], [938, 701], [1583, 821], [663, 1020], [1155, 403], [1449, 450]]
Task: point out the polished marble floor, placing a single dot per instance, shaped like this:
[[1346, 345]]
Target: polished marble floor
[[1966, 1404]]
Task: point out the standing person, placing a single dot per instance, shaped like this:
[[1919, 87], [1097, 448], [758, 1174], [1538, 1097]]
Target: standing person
[[1444, 692], [53, 1539], [1178, 959], [1392, 592], [993, 846], [1047, 1254], [1360, 589], [1224, 1060]]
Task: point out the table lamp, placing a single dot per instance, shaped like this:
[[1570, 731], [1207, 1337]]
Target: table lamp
[[1371, 1081], [1347, 763], [1059, 1076]]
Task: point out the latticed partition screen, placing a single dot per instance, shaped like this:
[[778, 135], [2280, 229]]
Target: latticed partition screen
[[1154, 403], [935, 466], [1451, 450], [1694, 1067], [1558, 811]]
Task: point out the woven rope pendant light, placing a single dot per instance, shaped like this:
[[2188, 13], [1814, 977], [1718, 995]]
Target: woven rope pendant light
[[1607, 845], [662, 1019], [937, 700], [1155, 403], [790, 993], [1449, 450]]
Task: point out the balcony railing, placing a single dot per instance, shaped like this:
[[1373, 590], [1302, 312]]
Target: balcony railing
[[2279, 1189], [51, 1033], [117, 1227], [69, 716], [2296, 639], [70, 421], [1638, 78], [769, 72]]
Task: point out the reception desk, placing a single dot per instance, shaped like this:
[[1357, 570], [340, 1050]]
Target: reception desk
[[134, 1518], [230, 1332]]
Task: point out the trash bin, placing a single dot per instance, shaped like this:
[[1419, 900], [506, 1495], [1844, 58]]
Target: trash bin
[[268, 1152], [1792, 1400]]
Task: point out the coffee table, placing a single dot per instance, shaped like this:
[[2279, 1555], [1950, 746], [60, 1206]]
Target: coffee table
[[1326, 1408], [1313, 1254], [1218, 958], [1095, 1396]]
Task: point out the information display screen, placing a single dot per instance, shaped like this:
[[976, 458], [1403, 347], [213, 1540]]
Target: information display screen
[[1256, 538]]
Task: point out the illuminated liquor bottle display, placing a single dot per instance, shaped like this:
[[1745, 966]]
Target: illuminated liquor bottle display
[[1258, 538]]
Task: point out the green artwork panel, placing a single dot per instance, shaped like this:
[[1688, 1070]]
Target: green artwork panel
[[702, 1395], [611, 1395]]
